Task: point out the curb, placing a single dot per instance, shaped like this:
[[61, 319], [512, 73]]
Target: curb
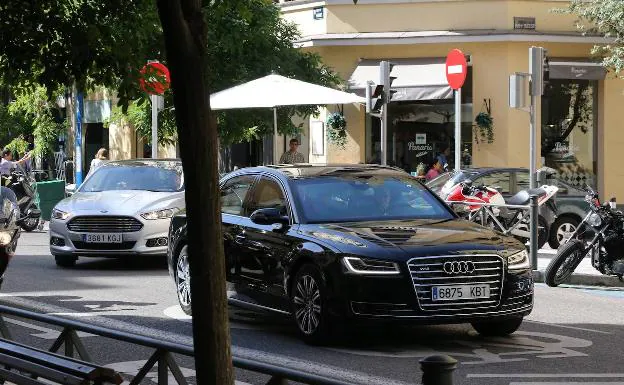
[[584, 279]]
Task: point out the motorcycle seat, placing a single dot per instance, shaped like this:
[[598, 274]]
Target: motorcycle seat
[[523, 197]]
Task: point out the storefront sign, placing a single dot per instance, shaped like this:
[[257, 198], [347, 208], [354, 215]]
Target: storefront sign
[[524, 23], [421, 138], [565, 148]]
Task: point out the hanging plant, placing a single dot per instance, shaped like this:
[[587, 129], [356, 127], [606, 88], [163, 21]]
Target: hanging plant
[[337, 129], [484, 125]]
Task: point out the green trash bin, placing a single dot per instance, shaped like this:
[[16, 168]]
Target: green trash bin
[[49, 193]]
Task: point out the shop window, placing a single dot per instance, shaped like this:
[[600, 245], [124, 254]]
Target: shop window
[[568, 130], [420, 130]]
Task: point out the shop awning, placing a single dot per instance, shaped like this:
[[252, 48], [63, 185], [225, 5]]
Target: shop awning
[[416, 79], [572, 69]]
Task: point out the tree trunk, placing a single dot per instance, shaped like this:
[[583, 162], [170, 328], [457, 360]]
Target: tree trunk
[[185, 41]]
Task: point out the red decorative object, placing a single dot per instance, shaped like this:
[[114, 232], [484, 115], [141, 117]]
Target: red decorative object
[[155, 79]]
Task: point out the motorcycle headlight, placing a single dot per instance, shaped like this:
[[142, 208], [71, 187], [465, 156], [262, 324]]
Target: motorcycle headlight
[[160, 214], [594, 220], [357, 265], [5, 238], [60, 215], [519, 261]]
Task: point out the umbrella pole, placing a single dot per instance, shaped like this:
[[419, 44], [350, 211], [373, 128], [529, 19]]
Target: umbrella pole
[[275, 159]]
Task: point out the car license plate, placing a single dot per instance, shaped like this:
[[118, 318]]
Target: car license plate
[[455, 292], [102, 238]]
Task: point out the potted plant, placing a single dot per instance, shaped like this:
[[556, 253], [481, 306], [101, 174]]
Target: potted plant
[[484, 125], [337, 129]]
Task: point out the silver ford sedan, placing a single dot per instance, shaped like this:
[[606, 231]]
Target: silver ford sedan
[[122, 209]]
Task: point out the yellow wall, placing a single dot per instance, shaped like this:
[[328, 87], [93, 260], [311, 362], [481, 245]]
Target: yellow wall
[[121, 142], [432, 15], [611, 138]]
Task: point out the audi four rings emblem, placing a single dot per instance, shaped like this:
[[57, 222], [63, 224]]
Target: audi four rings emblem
[[459, 267]]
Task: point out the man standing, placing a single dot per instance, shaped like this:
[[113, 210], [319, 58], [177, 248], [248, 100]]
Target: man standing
[[292, 156], [7, 163]]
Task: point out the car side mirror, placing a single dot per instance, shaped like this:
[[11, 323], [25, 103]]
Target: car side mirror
[[270, 216]]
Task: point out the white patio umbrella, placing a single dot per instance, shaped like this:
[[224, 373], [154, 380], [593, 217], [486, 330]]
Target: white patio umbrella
[[273, 91]]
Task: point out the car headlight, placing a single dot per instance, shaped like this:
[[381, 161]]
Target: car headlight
[[160, 214], [61, 215], [357, 265], [519, 261], [594, 220]]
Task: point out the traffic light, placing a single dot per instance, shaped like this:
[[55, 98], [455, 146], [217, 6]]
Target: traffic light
[[539, 70], [374, 98], [386, 78]]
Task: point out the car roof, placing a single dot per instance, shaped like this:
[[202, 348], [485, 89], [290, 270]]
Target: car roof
[[141, 161], [308, 170]]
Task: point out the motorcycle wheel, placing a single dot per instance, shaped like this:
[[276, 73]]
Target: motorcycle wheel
[[29, 224], [562, 266]]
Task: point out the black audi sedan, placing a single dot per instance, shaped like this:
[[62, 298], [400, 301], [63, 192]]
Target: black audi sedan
[[329, 245]]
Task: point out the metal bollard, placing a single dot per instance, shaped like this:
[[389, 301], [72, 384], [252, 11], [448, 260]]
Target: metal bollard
[[438, 370], [534, 233]]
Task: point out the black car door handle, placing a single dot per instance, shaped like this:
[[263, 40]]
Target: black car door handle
[[240, 239]]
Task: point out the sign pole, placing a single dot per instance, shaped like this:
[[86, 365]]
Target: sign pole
[[457, 129], [154, 126], [78, 140], [456, 72]]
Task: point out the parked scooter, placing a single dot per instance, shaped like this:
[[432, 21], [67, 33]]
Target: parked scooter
[[19, 182], [600, 235], [490, 208]]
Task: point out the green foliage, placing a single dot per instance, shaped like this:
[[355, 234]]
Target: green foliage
[[602, 17], [484, 127], [18, 146], [107, 42], [139, 115], [40, 117], [337, 129]]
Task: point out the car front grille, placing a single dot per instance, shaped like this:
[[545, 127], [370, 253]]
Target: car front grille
[[104, 224], [427, 272]]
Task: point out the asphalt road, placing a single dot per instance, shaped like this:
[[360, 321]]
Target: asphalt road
[[574, 335]]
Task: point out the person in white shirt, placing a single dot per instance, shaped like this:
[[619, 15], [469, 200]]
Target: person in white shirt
[[100, 158], [7, 163]]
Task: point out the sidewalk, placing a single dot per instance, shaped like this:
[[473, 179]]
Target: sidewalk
[[585, 274]]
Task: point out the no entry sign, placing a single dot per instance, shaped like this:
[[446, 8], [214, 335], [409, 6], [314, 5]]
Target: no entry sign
[[456, 69]]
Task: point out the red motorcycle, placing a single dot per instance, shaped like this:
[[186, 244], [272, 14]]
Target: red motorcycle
[[491, 209]]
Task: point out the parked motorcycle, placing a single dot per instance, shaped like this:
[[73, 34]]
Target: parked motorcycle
[[489, 208], [600, 235], [19, 182], [9, 227]]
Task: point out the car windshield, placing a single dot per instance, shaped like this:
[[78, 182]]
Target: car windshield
[[148, 176], [442, 184], [365, 198]]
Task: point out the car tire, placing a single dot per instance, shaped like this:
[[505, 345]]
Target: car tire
[[182, 280], [563, 224], [308, 300], [497, 328], [65, 260]]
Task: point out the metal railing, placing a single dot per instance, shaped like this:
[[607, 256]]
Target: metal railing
[[437, 370]]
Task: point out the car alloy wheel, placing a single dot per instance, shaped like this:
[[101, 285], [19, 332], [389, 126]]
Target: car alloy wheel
[[307, 302], [564, 232], [183, 281]]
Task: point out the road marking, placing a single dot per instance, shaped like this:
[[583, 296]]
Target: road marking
[[546, 375], [47, 333], [486, 351], [131, 368], [568, 327], [566, 383], [244, 322]]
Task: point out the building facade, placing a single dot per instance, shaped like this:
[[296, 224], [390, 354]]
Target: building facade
[[580, 112]]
